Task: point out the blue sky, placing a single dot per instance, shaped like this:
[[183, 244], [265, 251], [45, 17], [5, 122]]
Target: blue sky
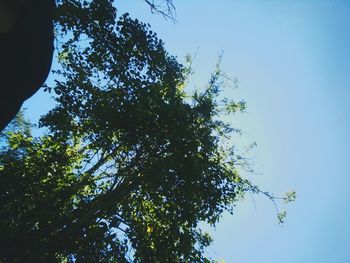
[[292, 60]]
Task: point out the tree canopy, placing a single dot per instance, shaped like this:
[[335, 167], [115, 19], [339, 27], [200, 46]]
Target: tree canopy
[[130, 162]]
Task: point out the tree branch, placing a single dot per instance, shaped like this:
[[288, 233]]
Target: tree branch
[[167, 10]]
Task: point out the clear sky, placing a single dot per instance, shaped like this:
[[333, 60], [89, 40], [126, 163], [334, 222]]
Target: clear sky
[[292, 60]]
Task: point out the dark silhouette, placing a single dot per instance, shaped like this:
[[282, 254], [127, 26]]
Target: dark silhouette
[[26, 48]]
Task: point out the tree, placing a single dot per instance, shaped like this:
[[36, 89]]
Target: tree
[[130, 162]]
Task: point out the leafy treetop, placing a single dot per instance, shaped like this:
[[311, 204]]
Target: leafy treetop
[[130, 163]]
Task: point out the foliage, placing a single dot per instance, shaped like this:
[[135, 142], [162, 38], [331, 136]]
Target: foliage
[[130, 163]]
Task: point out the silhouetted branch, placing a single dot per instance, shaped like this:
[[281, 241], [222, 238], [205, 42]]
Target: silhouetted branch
[[165, 8]]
